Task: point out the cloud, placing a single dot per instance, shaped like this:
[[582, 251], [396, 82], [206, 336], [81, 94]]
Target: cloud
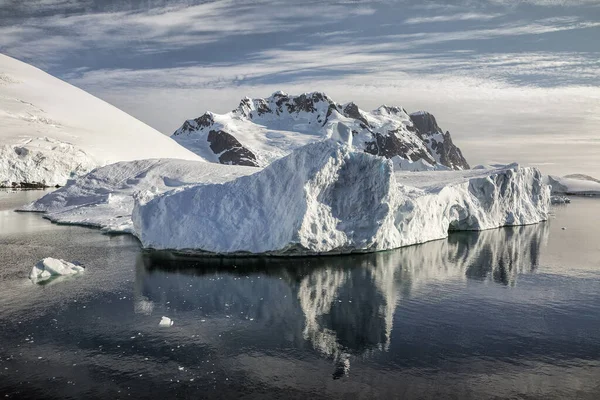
[[518, 87], [522, 28], [451, 18]]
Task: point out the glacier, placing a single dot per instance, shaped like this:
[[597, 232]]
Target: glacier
[[327, 198]]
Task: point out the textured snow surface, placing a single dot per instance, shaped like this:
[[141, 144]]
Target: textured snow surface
[[327, 198], [574, 184], [42, 160], [51, 267], [104, 197], [272, 127], [50, 130]]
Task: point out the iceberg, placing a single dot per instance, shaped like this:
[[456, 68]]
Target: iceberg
[[326, 198], [52, 267], [104, 198], [557, 199], [577, 184]]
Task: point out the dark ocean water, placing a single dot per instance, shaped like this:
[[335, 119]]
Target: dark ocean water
[[506, 313]]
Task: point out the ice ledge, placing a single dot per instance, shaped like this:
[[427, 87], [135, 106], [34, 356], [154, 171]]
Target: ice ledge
[[325, 198]]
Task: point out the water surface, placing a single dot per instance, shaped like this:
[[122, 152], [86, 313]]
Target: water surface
[[505, 313]]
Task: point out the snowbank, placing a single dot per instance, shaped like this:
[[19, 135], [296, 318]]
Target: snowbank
[[327, 198], [49, 267], [574, 184], [50, 130], [104, 197]]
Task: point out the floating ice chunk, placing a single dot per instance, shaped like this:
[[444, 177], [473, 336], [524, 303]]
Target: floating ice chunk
[[556, 199], [49, 267], [165, 322]]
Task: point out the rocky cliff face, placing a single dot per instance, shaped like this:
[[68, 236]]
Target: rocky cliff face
[[439, 143], [260, 131]]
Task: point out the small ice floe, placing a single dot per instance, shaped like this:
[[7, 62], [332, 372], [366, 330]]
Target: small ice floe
[[560, 199], [563, 228], [51, 267], [165, 322]]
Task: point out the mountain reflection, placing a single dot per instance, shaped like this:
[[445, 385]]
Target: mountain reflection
[[342, 305]]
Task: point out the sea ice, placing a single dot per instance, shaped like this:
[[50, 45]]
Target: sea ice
[[49, 267]]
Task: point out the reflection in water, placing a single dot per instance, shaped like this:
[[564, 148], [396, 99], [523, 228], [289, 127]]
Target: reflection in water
[[346, 303]]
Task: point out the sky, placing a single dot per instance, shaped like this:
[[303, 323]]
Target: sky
[[512, 80]]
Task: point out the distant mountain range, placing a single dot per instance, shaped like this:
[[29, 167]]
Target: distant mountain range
[[260, 131]]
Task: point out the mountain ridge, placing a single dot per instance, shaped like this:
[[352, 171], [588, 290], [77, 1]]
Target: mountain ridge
[[262, 130]]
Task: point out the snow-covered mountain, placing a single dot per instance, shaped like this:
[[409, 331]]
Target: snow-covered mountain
[[51, 131], [260, 131]]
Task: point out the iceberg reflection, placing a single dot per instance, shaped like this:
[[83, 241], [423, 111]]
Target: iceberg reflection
[[343, 306]]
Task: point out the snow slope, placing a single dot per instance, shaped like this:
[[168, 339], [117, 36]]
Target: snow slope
[[327, 198], [261, 131], [50, 130], [574, 184], [104, 198]]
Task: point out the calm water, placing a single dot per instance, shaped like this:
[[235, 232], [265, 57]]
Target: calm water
[[506, 313]]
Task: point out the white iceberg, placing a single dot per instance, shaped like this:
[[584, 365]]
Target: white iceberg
[[51, 267], [327, 198], [322, 198], [557, 199], [577, 184], [104, 197], [165, 322]]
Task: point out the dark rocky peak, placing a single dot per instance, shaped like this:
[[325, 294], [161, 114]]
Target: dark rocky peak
[[425, 123], [351, 110], [447, 152], [248, 105], [192, 125], [205, 120], [306, 102], [230, 150], [282, 103]]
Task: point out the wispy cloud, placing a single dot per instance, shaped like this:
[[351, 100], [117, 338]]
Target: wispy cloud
[[510, 82], [451, 18]]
